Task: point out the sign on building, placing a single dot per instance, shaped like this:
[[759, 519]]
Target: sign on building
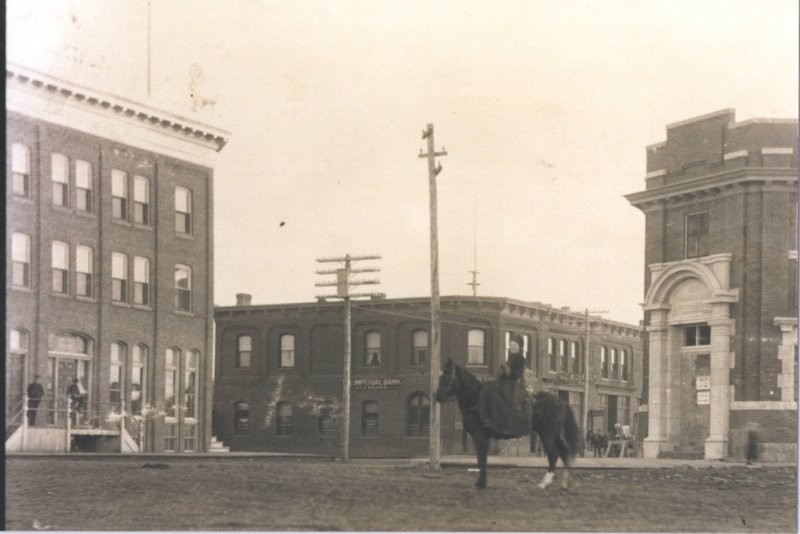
[[703, 397], [703, 382]]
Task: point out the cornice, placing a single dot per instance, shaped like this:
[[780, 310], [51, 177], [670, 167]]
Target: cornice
[[43, 97]]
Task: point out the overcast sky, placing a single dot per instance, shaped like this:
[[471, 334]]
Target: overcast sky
[[544, 108]]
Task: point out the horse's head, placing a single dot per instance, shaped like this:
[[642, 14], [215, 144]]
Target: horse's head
[[448, 382]]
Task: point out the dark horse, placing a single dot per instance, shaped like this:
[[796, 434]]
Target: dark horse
[[552, 419]]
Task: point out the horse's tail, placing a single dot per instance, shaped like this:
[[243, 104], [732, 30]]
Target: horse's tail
[[571, 432]]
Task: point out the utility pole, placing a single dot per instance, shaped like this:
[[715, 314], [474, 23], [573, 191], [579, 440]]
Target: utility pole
[[586, 373], [342, 284], [474, 270], [436, 341]]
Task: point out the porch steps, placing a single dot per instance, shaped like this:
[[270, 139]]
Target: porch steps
[[218, 446]]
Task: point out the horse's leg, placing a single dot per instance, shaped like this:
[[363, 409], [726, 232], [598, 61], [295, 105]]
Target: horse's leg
[[566, 457], [548, 442], [481, 451]]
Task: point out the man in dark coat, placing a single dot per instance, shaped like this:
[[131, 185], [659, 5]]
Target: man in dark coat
[[35, 393], [503, 405]]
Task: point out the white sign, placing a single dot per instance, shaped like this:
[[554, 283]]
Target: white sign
[[703, 382], [703, 397]]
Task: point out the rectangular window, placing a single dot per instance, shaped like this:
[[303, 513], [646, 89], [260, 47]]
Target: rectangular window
[[575, 359], [170, 437], [373, 349], [562, 354], [551, 354], [119, 195], [697, 234], [183, 211], [614, 364], [183, 288], [83, 271], [59, 173], [476, 352], [83, 186], [138, 378], [190, 384], [696, 335], [245, 349], [20, 260], [141, 200], [287, 350], [623, 364], [604, 362], [419, 351], [171, 382], [20, 170], [115, 380], [189, 437], [60, 267], [141, 281], [119, 277]]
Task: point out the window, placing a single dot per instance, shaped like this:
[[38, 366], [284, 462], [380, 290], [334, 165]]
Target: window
[[369, 419], [170, 437], [20, 260], [523, 349], [418, 416], [697, 234], [190, 366], [372, 356], [562, 354], [327, 423], [60, 267], [20, 170], [141, 200], [476, 354], [419, 350], [287, 350], [83, 186], [116, 377], [551, 354], [604, 362], [285, 421], [574, 356], [119, 195], [171, 382], [189, 437], [16, 360], [59, 173], [141, 281], [244, 348], [614, 365], [183, 211], [623, 365], [138, 377], [83, 271], [119, 277], [183, 288], [696, 335], [241, 418]]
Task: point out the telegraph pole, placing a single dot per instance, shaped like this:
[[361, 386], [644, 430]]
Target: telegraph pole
[[436, 342], [586, 373], [342, 284]]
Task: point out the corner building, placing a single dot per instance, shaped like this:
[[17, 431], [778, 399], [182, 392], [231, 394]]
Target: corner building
[[109, 262], [720, 207], [278, 380]]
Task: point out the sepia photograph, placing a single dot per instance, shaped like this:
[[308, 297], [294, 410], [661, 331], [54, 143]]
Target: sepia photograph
[[378, 266]]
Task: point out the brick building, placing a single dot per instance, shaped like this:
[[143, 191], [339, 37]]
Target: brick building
[[278, 377], [720, 207], [109, 212]]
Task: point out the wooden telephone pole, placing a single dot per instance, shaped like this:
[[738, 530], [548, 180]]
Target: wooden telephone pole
[[436, 341], [342, 284], [586, 369]]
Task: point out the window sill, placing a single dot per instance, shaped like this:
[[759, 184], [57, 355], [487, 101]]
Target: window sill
[[22, 289], [120, 304], [184, 313], [122, 222], [86, 214], [25, 199], [142, 226], [82, 298], [60, 295], [179, 235], [142, 307]]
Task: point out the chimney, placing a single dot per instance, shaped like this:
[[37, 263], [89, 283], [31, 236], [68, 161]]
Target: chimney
[[243, 299]]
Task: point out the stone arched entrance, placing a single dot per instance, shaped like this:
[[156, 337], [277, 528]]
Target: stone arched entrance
[[689, 379]]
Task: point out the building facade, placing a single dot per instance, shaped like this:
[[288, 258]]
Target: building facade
[[109, 263], [720, 207], [278, 379]]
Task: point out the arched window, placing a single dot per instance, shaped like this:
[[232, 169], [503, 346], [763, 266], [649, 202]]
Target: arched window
[[18, 341], [243, 351], [287, 350], [372, 354], [285, 419], [369, 419], [327, 423], [116, 376], [419, 350], [172, 357], [138, 378], [418, 416], [241, 418], [476, 353], [191, 364]]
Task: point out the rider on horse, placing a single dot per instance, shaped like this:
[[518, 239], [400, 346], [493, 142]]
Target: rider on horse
[[503, 404]]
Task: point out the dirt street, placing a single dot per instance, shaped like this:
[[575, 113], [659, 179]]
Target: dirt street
[[288, 494]]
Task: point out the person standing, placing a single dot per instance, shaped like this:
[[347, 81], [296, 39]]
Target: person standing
[[77, 397], [35, 393]]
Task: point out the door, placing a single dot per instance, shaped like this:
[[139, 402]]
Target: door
[[695, 409], [612, 415]]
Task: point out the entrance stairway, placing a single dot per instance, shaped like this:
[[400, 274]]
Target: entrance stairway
[[218, 447]]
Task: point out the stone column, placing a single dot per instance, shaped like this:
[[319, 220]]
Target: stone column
[[657, 403], [716, 446]]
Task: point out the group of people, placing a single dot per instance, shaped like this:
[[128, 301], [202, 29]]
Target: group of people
[[76, 395]]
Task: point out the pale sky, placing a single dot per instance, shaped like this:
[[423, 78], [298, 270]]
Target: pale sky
[[544, 108]]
